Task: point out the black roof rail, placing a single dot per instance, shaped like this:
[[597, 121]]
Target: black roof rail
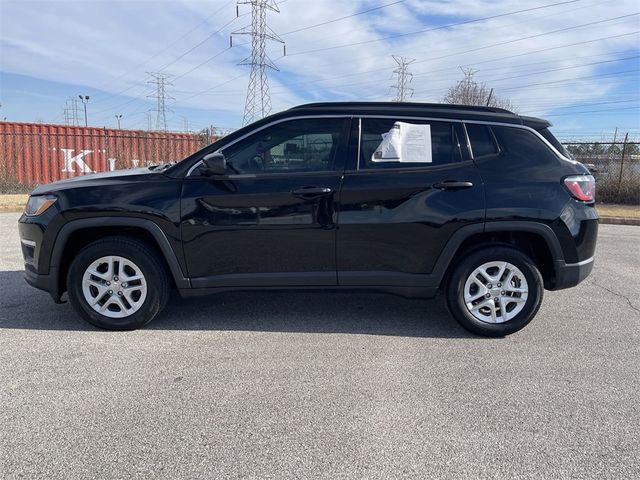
[[434, 106]]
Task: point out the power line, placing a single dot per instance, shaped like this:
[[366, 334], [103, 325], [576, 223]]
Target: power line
[[518, 40], [565, 80], [184, 54], [527, 20], [587, 77], [124, 74], [441, 27], [342, 18], [529, 37], [202, 64], [527, 74], [611, 110], [258, 101], [573, 104], [449, 79], [453, 67]]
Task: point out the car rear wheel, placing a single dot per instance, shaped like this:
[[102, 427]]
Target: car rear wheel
[[118, 283], [495, 291]]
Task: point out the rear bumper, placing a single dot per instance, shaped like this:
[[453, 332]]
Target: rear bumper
[[570, 274]]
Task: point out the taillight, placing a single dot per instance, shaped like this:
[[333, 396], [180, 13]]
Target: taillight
[[581, 187]]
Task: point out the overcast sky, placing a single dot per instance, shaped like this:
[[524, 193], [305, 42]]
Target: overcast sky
[[576, 62]]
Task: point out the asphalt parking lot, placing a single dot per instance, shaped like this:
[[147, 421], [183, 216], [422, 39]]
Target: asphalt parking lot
[[296, 385]]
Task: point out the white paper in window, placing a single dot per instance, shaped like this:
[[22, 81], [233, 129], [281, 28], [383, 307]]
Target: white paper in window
[[405, 143]]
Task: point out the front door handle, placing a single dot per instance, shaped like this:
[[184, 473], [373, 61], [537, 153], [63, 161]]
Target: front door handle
[[452, 185], [312, 192]]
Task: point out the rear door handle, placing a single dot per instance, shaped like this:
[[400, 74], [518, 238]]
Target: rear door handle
[[312, 192], [452, 185]]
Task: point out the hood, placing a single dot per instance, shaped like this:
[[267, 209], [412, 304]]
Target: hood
[[96, 179]]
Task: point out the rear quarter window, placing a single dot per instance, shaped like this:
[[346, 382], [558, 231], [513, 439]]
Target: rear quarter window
[[521, 143], [546, 133]]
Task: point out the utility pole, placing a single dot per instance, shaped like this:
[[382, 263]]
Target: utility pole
[[624, 150], [84, 99], [118, 118], [148, 120], [161, 96], [258, 101], [403, 78]]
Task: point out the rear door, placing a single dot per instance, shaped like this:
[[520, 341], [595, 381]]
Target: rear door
[[395, 217], [271, 220]]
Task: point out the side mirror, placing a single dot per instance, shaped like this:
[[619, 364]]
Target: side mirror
[[214, 164]]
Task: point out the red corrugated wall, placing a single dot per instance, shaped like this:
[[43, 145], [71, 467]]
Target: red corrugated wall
[[33, 153]]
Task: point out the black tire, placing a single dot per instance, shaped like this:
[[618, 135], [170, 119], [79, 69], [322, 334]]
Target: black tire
[[145, 257], [456, 283]]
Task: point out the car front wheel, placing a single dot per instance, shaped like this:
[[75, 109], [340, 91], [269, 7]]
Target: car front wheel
[[118, 283], [495, 291]]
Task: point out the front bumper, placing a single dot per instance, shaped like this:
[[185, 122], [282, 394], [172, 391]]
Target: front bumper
[[36, 251], [49, 282], [570, 274]]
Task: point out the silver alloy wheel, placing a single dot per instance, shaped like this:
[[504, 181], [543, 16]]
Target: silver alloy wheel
[[114, 286], [495, 292]]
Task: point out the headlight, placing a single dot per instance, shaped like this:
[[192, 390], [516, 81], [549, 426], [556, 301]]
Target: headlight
[[38, 204]]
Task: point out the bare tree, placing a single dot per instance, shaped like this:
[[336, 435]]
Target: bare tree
[[469, 92]]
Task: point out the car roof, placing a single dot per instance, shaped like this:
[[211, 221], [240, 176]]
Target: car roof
[[437, 110]]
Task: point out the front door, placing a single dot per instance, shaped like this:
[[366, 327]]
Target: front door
[[271, 219], [397, 214]]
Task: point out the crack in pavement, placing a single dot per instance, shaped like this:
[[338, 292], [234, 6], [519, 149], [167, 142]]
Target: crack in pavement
[[617, 294]]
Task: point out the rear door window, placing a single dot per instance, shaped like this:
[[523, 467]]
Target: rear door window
[[379, 150]]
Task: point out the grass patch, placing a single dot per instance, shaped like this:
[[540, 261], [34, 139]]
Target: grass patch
[[13, 202], [624, 211]]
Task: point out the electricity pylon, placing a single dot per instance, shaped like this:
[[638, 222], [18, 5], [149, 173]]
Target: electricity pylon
[[160, 81], [258, 102], [403, 78]]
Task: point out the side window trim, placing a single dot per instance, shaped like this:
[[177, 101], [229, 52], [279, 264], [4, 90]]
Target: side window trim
[[359, 143], [435, 119]]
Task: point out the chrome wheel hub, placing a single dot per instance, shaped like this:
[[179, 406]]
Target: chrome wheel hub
[[495, 292], [114, 286]]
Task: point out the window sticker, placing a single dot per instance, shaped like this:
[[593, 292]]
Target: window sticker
[[405, 143]]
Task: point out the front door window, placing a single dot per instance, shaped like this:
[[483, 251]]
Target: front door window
[[307, 145]]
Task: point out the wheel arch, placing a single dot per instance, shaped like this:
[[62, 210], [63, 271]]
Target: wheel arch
[[537, 240], [79, 233]]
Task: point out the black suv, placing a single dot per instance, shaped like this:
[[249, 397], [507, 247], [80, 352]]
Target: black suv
[[404, 198]]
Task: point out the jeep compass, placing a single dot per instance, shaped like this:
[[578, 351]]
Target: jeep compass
[[404, 198]]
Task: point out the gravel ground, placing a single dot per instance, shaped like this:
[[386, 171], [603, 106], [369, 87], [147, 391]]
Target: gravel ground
[[285, 385]]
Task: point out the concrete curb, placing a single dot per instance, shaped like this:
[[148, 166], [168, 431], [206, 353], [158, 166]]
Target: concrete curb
[[620, 221]]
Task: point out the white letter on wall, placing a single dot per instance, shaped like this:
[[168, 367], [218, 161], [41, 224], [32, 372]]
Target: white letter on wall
[[69, 160]]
